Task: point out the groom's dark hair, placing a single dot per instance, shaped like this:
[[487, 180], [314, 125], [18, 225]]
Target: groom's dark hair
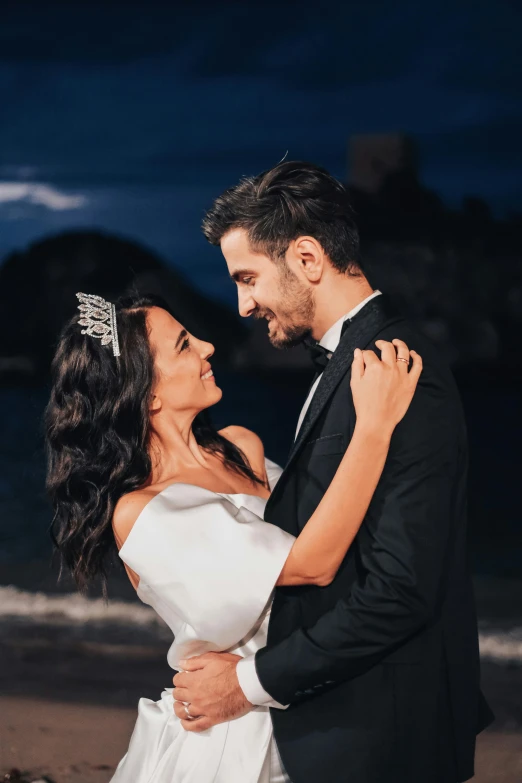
[[291, 200]]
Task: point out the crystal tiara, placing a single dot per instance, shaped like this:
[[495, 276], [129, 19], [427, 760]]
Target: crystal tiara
[[99, 319]]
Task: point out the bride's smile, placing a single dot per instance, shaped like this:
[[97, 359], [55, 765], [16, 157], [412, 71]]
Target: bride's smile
[[185, 382]]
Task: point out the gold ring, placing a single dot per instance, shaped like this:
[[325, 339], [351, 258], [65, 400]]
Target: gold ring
[[400, 359]]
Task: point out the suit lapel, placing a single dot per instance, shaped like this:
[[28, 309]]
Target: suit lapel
[[363, 329]]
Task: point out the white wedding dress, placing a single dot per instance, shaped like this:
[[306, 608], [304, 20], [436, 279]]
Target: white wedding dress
[[207, 564]]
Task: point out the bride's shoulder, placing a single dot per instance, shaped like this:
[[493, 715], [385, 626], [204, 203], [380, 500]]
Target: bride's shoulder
[[249, 443], [243, 438], [126, 512]]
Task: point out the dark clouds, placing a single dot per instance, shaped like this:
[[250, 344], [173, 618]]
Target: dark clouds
[[206, 91]]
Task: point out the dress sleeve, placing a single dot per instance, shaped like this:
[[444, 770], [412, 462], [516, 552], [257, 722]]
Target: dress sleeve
[[210, 557]]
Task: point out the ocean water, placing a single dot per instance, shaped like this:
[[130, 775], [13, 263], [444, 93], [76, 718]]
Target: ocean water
[[270, 406], [110, 627]]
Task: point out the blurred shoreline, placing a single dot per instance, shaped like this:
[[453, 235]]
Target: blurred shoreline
[[123, 626]]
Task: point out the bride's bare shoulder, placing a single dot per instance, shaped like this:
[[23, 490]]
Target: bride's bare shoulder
[[126, 512], [249, 443], [244, 439]]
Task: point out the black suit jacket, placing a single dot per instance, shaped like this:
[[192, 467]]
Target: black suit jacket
[[381, 668]]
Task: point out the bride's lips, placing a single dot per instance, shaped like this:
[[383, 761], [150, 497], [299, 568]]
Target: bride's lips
[[208, 375]]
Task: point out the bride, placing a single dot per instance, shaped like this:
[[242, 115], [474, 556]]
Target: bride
[[135, 466]]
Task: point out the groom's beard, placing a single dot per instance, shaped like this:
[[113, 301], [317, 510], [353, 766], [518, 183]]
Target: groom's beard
[[294, 313]]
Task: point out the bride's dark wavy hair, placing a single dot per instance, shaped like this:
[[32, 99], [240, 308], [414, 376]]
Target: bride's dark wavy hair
[[98, 434]]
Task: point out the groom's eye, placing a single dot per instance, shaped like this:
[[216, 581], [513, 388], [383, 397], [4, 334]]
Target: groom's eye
[[247, 280]]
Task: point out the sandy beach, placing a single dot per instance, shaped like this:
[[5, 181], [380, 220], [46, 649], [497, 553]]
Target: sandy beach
[[74, 743], [70, 687], [70, 743], [79, 743], [71, 736]]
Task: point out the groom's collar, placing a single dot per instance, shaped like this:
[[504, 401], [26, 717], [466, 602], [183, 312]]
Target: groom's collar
[[331, 339], [362, 330]]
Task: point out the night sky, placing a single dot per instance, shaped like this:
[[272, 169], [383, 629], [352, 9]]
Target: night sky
[[132, 116]]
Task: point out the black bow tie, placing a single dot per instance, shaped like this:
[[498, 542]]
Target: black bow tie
[[321, 356]]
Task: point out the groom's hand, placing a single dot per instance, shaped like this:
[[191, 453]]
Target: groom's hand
[[209, 685]]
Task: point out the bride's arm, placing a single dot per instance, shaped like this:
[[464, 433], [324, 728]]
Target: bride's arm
[[382, 391]]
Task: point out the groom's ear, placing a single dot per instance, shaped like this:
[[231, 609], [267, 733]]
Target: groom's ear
[[308, 256]]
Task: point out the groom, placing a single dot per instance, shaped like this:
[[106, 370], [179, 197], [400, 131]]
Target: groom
[[375, 678]]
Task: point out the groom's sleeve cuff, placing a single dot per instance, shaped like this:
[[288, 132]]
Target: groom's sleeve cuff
[[251, 686]]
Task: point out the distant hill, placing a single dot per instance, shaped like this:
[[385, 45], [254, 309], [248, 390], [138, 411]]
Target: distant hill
[[456, 273], [38, 287]]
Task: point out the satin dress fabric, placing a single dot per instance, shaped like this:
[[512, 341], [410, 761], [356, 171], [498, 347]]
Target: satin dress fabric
[[208, 565]]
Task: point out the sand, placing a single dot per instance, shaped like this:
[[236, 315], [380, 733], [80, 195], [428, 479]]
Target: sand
[[82, 743], [68, 703], [72, 743]]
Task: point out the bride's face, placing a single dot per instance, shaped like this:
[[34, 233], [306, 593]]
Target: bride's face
[[184, 379]]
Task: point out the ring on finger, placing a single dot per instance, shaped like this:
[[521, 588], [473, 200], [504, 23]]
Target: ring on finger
[[400, 359], [186, 706], [189, 715]]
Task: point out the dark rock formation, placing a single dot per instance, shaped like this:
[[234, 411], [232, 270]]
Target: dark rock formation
[[38, 287]]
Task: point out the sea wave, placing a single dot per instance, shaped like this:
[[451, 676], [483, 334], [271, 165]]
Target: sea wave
[[73, 609], [500, 646]]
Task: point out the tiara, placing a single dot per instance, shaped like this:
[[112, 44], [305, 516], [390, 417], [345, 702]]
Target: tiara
[[99, 319]]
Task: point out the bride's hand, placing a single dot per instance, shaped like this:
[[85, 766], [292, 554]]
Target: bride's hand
[[383, 388]]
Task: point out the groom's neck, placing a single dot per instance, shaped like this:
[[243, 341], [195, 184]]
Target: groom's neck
[[335, 298]]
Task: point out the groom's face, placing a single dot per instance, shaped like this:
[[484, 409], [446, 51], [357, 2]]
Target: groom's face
[[269, 289]]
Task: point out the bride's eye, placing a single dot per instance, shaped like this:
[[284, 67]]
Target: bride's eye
[[184, 345]]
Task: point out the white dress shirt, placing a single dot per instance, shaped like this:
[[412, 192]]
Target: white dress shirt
[[330, 340], [246, 668]]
